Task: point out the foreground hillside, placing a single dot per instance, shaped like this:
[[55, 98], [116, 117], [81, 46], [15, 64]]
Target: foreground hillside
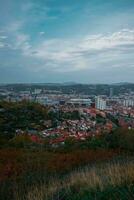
[[98, 168], [109, 180], [37, 174]]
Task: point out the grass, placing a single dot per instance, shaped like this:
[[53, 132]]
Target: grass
[[81, 174], [111, 180], [17, 162]]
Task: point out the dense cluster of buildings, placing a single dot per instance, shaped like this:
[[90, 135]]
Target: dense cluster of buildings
[[98, 114]]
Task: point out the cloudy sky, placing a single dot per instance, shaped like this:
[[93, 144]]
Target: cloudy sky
[[87, 41]]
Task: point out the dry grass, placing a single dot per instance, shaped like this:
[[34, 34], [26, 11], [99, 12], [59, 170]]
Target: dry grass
[[112, 174], [97, 177]]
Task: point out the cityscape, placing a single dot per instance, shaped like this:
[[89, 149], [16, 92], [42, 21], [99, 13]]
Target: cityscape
[[90, 115], [66, 99]]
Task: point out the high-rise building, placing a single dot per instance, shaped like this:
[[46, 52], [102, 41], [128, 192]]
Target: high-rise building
[[111, 92], [100, 103], [128, 102]]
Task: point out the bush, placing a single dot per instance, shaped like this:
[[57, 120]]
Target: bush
[[126, 140], [21, 141], [121, 138]]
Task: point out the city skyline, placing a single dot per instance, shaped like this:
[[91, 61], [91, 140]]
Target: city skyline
[[56, 41]]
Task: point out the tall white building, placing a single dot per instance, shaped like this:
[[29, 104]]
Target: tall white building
[[128, 102], [100, 103], [37, 91]]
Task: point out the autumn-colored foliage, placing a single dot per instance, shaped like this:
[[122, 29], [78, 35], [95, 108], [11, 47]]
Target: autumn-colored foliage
[[67, 161], [14, 163]]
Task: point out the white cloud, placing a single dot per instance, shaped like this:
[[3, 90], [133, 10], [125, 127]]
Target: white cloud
[[14, 26], [98, 42], [2, 41], [16, 39], [68, 55], [2, 45], [42, 33], [22, 42], [74, 55], [3, 37]]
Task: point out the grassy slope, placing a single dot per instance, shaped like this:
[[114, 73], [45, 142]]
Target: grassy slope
[[107, 181]]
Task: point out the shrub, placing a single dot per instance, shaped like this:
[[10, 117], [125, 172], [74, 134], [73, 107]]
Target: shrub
[[21, 141], [126, 140]]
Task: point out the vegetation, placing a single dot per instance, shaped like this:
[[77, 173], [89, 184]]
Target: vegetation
[[27, 115], [21, 115], [101, 167], [108, 180]]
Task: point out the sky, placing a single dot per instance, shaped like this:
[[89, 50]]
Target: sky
[[56, 41]]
